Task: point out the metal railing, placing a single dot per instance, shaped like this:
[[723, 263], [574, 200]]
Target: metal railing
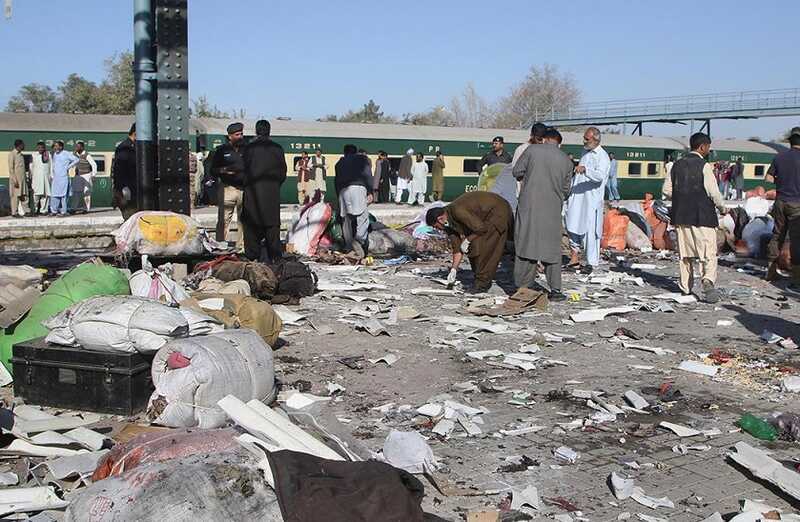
[[652, 108]]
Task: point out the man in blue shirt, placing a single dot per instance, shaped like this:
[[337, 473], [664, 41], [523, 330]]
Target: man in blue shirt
[[61, 163]]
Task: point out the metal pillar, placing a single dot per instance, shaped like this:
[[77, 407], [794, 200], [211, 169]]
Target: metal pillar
[[638, 129], [144, 68], [707, 127], [173, 106]]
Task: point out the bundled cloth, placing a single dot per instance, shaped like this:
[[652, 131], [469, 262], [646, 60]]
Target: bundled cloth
[[192, 375], [295, 280], [125, 324], [163, 234], [212, 285], [308, 228], [391, 242], [259, 276], [156, 283], [239, 311]]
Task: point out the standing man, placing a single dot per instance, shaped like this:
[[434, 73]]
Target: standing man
[[17, 179], [83, 180], [199, 157], [319, 175], [612, 188], [419, 181], [40, 179], [381, 184], [264, 172], [546, 175], [498, 154], [63, 161], [438, 176], [585, 204], [353, 183], [228, 168], [404, 177], [785, 173], [477, 224], [738, 178], [694, 193], [304, 182], [123, 175]]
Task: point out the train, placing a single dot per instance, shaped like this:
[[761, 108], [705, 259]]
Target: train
[[641, 159]]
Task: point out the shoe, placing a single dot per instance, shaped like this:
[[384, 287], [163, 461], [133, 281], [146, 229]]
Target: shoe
[[478, 289], [710, 293], [772, 272], [556, 297], [586, 270]]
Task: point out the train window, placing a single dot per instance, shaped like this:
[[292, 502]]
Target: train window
[[471, 165], [295, 161], [430, 165], [759, 173], [394, 164], [101, 162], [634, 169], [652, 169]]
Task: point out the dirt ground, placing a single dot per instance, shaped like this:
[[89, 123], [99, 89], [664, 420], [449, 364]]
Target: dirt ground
[[589, 357], [575, 361]]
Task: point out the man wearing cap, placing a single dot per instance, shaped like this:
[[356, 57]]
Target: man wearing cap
[[498, 154], [228, 168]]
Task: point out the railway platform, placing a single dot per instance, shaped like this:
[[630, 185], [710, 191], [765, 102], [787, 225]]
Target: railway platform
[[93, 229]]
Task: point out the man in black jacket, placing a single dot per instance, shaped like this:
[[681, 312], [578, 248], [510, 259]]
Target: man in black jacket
[[264, 172], [123, 175], [695, 202], [354, 185], [228, 167]]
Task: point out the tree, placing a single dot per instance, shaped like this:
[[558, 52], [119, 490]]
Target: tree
[[117, 93], [202, 108], [370, 112], [543, 91], [33, 97], [437, 116], [78, 94], [469, 109]]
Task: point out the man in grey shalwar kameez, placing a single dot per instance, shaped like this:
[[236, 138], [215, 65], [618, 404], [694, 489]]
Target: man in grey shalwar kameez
[[546, 175]]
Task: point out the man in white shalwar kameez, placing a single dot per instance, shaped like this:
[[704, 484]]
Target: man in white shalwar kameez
[[584, 220], [40, 179], [419, 181]]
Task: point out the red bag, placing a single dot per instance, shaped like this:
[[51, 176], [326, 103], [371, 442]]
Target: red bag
[[615, 226]]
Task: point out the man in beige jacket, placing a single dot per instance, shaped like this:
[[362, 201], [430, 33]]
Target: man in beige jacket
[[17, 179]]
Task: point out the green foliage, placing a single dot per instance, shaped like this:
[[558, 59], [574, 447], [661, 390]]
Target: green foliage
[[202, 108], [33, 97], [370, 112], [115, 95]]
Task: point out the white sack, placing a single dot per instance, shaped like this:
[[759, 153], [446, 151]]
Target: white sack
[[161, 233], [635, 238], [305, 234], [234, 362], [757, 207], [123, 323], [157, 283]]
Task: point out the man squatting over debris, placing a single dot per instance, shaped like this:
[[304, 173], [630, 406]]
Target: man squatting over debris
[[477, 224]]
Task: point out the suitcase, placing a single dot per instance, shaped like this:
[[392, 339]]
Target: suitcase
[[73, 378]]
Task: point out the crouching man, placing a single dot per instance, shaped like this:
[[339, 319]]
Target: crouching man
[[477, 224], [693, 189]]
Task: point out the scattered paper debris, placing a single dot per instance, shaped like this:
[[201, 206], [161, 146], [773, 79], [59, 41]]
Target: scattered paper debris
[[636, 400], [598, 314], [389, 359], [566, 454], [697, 367], [527, 497], [762, 466], [680, 431]]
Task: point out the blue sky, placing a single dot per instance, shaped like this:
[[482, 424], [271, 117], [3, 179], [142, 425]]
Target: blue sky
[[310, 58]]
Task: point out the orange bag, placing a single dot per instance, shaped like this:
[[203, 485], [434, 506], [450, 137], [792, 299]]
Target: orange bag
[[615, 226]]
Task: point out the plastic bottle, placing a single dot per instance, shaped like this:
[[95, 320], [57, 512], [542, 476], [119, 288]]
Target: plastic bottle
[[758, 428]]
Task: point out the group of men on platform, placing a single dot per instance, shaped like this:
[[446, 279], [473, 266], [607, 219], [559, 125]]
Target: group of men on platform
[[42, 184]]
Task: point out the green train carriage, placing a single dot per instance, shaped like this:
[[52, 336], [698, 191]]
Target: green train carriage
[[641, 159]]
